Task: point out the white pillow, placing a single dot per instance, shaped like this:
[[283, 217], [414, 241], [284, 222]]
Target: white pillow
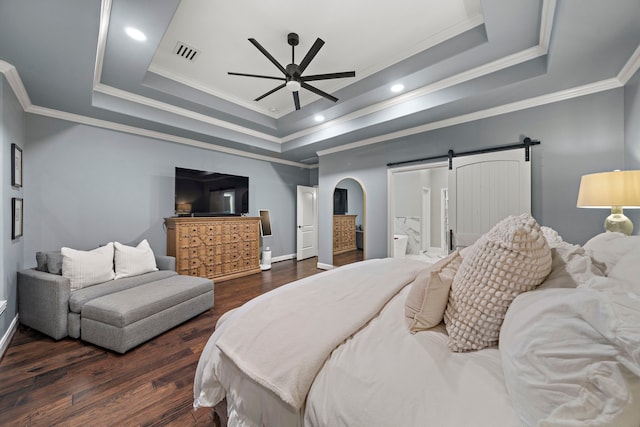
[[607, 248], [570, 267], [86, 268], [133, 261], [571, 357], [628, 268]]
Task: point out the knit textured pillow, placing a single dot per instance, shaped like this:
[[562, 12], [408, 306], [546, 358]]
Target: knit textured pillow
[[513, 257]]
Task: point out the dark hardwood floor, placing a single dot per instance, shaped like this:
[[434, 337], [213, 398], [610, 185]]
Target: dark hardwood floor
[[45, 382]]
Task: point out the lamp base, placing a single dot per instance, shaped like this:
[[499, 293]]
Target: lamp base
[[618, 222]]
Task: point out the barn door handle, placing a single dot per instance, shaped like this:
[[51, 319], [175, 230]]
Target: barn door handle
[[450, 239]]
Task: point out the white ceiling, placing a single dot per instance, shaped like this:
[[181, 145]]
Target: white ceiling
[[362, 37]]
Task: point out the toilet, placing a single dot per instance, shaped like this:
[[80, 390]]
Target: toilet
[[399, 245]]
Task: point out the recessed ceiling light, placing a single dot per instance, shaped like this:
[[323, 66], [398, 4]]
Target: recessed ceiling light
[[397, 87], [135, 34], [319, 118]]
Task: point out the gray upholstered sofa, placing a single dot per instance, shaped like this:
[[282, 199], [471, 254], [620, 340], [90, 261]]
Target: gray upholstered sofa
[[118, 314]]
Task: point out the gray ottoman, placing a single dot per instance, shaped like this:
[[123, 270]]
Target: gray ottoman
[[122, 320]]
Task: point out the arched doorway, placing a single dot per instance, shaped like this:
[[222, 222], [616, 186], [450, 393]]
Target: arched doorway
[[349, 222]]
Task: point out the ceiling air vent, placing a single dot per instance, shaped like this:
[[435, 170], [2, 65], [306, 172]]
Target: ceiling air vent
[[185, 51]]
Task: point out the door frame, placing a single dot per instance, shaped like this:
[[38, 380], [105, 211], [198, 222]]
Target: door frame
[[391, 196], [299, 255], [425, 219]]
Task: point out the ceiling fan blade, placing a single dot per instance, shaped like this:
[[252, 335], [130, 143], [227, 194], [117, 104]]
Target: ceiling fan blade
[[319, 92], [268, 55], [270, 92], [329, 76], [296, 100], [310, 55], [255, 75]]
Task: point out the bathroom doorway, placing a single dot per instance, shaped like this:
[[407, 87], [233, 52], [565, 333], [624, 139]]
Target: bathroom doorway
[[417, 210]]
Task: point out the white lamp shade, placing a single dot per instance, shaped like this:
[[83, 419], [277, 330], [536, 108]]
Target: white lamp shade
[[607, 189]]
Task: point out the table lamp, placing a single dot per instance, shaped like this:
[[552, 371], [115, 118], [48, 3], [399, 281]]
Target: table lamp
[[615, 190]]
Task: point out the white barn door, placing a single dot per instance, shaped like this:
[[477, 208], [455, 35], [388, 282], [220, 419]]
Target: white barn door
[[485, 188]]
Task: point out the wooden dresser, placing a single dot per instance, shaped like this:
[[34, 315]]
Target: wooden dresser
[[344, 233], [219, 248]]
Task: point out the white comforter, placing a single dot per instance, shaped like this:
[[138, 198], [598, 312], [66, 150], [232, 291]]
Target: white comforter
[[380, 376]]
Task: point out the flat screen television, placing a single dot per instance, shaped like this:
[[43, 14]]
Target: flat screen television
[[340, 206], [204, 193]]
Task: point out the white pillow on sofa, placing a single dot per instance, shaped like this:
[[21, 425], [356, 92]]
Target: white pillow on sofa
[[133, 261], [86, 268], [571, 357]]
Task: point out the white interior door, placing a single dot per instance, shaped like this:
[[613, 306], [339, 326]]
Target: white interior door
[[307, 219], [485, 188]]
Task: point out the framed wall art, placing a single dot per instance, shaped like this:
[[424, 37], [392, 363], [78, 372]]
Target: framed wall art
[[16, 215], [16, 166]]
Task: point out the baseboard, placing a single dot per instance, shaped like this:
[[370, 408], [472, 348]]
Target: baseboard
[[323, 266], [6, 339], [283, 258]]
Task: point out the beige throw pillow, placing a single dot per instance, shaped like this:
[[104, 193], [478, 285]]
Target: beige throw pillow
[[429, 293], [513, 257]]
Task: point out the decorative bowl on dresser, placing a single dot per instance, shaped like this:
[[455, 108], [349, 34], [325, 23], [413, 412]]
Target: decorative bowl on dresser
[[219, 248]]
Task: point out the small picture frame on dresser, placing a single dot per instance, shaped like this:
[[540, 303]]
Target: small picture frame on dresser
[[16, 216], [16, 166]]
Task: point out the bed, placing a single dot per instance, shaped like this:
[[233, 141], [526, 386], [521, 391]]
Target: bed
[[350, 346]]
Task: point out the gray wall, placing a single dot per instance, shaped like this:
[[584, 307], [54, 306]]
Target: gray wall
[[12, 130], [632, 137], [579, 136], [88, 186]]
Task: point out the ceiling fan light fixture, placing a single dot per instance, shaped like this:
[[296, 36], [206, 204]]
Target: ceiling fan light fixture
[[293, 85]]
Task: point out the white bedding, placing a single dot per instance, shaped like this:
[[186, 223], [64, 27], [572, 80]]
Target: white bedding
[[365, 383], [383, 375], [283, 342], [343, 393]]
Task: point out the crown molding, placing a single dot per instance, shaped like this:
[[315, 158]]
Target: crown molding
[[546, 23], [630, 68], [562, 95], [474, 73], [15, 82], [158, 105], [118, 127], [103, 31], [197, 86]]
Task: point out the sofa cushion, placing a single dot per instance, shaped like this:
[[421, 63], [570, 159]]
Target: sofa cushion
[[131, 305], [49, 262], [80, 297]]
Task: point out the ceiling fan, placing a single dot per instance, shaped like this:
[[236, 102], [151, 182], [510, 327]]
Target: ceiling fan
[[293, 78]]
